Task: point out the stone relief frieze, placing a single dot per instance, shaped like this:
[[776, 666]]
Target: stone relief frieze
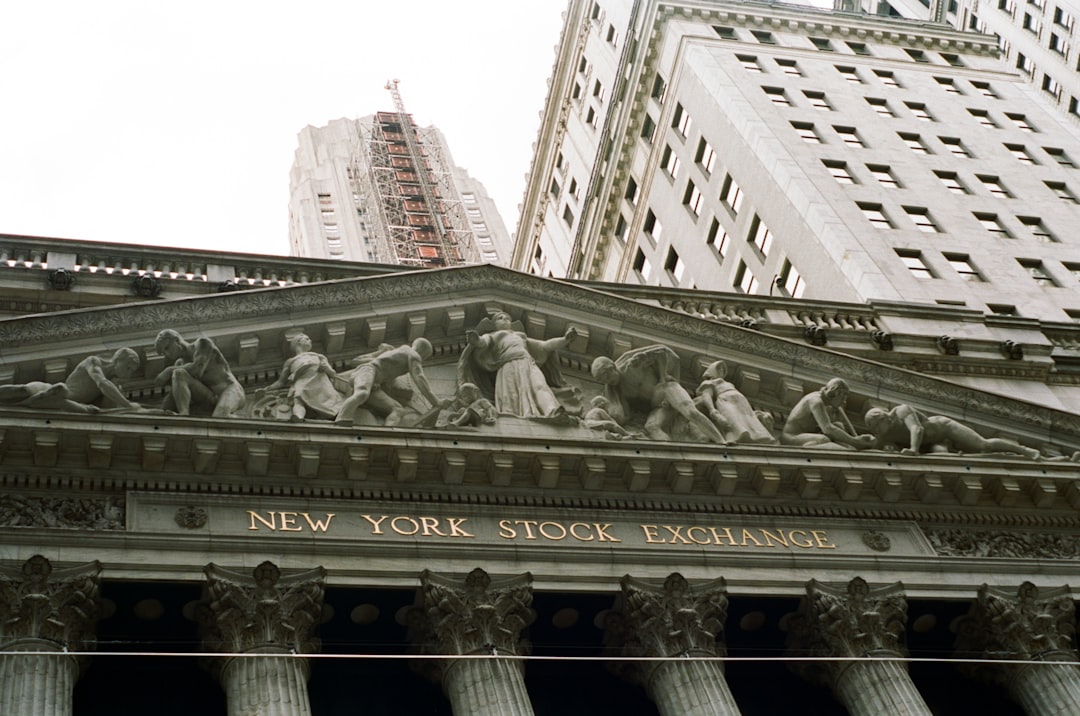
[[104, 513], [957, 542]]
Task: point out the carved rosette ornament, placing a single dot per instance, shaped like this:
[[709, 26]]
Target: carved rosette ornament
[[672, 620], [266, 619], [836, 627], [50, 611], [481, 615], [1030, 626], [191, 518]]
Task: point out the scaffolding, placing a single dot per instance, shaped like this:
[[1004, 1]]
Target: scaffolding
[[399, 173]]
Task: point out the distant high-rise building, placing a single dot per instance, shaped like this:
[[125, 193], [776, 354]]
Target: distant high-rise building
[[382, 189], [772, 149]]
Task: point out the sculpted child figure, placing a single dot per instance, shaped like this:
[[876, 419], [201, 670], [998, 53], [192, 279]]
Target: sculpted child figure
[[913, 432], [199, 375], [598, 418], [818, 420], [87, 389], [468, 409]]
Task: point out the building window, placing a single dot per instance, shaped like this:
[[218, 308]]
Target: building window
[[725, 33], [749, 63], [648, 129], [1020, 152], [984, 89], [952, 182], [849, 136], [555, 189], [858, 48], [951, 59], [568, 215], [717, 238], [777, 96], [914, 142], [692, 198], [822, 43], [575, 189], [759, 236], [956, 147], [917, 55], [612, 37], [1002, 309], [652, 227], [947, 84], [659, 88], [576, 93], [1073, 268], [744, 279], [789, 281], [920, 111], [849, 74], [705, 156], [583, 65], [1020, 121], [1051, 86], [1059, 156], [839, 171], [1037, 271], [621, 227], [818, 100], [1032, 24], [884, 175], [1059, 44], [923, 221], [789, 67], [669, 162], [641, 265], [590, 118], [681, 121], [674, 265], [631, 190], [914, 261], [875, 214], [880, 106], [994, 186], [1074, 107], [1062, 191], [961, 263], [982, 117], [1038, 229], [887, 78], [731, 195], [1063, 19], [765, 38], [993, 224], [1024, 64], [598, 91], [806, 132]]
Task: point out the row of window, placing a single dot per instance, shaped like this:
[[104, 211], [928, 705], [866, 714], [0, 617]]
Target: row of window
[[920, 216], [825, 44], [962, 264]]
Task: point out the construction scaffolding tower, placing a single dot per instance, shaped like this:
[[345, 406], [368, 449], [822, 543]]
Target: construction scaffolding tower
[[399, 173]]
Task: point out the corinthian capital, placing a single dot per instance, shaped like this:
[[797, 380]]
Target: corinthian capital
[[852, 621], [262, 609], [1027, 625], [57, 605]]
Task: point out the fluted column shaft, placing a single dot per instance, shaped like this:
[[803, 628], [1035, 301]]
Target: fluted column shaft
[[266, 685], [879, 688], [691, 688], [487, 687], [1047, 689], [39, 684]]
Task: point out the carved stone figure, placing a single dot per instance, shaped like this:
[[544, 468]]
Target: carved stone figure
[[729, 409], [311, 382], [468, 409], [199, 375], [912, 432], [374, 377], [598, 418], [818, 420], [525, 369], [650, 376], [87, 389]]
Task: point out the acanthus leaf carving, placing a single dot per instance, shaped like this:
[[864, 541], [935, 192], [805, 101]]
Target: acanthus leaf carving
[[38, 601]]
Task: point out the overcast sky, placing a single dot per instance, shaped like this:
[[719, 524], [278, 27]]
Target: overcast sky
[[174, 124]]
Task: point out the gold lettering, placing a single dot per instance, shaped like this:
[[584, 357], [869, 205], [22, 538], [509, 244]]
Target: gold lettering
[[412, 523], [431, 526], [506, 531], [267, 523], [562, 530], [676, 534], [771, 537], [288, 522], [575, 535], [748, 536], [805, 545], [375, 529], [318, 525], [455, 526], [528, 525], [727, 533], [822, 539], [650, 534], [690, 534], [602, 535]]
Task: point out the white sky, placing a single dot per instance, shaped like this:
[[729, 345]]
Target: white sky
[[174, 124]]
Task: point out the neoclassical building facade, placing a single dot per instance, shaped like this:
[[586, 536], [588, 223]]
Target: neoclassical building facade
[[475, 491]]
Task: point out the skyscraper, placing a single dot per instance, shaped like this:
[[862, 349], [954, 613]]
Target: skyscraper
[[769, 149], [383, 189]]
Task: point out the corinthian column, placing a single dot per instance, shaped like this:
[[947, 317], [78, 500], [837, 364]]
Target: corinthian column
[[1028, 627], [261, 622], [46, 611], [852, 624], [668, 621], [478, 616]]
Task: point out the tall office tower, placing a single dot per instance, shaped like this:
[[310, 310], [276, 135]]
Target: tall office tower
[[383, 189], [782, 150]]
